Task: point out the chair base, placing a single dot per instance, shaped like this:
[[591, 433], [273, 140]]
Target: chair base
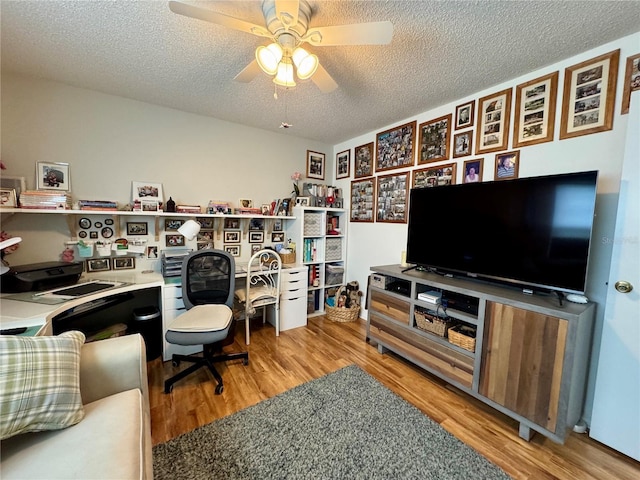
[[207, 360]]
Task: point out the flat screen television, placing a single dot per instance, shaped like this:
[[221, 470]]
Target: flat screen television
[[531, 232]]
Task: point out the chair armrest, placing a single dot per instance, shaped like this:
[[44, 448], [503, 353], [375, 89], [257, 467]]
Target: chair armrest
[[113, 365]]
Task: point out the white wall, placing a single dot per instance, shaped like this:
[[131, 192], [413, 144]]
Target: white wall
[[382, 243]]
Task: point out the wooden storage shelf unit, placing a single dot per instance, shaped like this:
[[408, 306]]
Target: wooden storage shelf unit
[[530, 355]]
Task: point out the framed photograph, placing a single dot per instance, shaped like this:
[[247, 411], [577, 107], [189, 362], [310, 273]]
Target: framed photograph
[[315, 165], [106, 232], [434, 176], [631, 81], [137, 228], [150, 205], [19, 184], [98, 264], [462, 144], [174, 241], [535, 114], [232, 237], [465, 115], [302, 201], [256, 237], [147, 191], [205, 236], [255, 248], [343, 164], [124, 263], [53, 176], [363, 194], [172, 224], [265, 209], [231, 223], [277, 225], [363, 161], [392, 197], [472, 170], [245, 203], [93, 234], [507, 165], [256, 224], [492, 133], [434, 140], [233, 250], [395, 147], [277, 237], [152, 251], [8, 197], [589, 95]]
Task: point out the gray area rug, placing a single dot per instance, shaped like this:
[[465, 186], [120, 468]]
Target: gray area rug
[[345, 425]]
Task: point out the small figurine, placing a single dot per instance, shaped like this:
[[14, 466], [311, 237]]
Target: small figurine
[[67, 255]]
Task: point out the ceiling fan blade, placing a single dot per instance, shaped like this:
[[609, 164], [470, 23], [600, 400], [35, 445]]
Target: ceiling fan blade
[[323, 80], [218, 18], [287, 12], [249, 72], [374, 33]]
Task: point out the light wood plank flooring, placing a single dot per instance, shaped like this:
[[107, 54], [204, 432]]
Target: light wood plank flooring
[[299, 355]]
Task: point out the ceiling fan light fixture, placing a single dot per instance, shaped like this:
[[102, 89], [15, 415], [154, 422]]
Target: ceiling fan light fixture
[[306, 63], [284, 75], [269, 57]]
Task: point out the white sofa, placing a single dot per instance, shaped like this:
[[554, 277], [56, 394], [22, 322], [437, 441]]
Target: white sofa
[[112, 441]]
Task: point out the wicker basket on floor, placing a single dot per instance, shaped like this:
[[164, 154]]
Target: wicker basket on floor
[[463, 337], [341, 314]]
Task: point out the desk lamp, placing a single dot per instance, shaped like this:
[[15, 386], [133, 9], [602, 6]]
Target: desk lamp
[[189, 229], [5, 244]]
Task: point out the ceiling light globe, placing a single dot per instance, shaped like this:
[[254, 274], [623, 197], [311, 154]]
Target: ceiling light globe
[[306, 64], [268, 58], [284, 76]]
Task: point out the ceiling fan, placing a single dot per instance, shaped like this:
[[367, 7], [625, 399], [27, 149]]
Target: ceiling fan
[[287, 26]]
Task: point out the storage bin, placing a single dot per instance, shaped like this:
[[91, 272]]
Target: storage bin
[[463, 336], [333, 249], [334, 275], [312, 224], [431, 323], [341, 314]]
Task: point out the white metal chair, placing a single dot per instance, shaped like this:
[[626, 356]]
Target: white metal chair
[[262, 288]]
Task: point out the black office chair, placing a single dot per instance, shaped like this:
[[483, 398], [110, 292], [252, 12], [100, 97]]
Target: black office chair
[[208, 281]]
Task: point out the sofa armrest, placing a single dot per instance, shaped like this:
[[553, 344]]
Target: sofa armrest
[[113, 365]]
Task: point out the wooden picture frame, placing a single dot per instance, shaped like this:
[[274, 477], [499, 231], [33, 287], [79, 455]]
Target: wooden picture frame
[[472, 170], [53, 176], [631, 81], [8, 197], [124, 263], [507, 165], [303, 201], [435, 176], [315, 165], [173, 224], [435, 137], [465, 115], [492, 133], [256, 237], [343, 164], [535, 111], [277, 237], [147, 191], [363, 161], [233, 250], [174, 241], [395, 147], [462, 144], [392, 196], [232, 236], [589, 95], [232, 223], [255, 248], [98, 264], [137, 228], [256, 223], [363, 194]]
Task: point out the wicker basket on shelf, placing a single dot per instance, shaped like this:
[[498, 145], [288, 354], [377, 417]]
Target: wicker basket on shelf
[[463, 336], [431, 323], [342, 314], [288, 258]]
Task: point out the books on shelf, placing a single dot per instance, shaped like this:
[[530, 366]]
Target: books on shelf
[[188, 209], [310, 253], [97, 205], [45, 199]]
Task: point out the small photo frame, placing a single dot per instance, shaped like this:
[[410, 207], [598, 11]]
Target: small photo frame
[[462, 144], [53, 176], [277, 225], [204, 222], [472, 170], [205, 236], [631, 81], [152, 251], [233, 250], [231, 223], [434, 140], [137, 228], [98, 264], [434, 176], [589, 96], [363, 161], [124, 263], [492, 133], [535, 111], [150, 205], [302, 201], [343, 164], [465, 115], [315, 165], [172, 224], [93, 234], [174, 241], [255, 248], [392, 198], [232, 237], [395, 147], [265, 209], [147, 191], [245, 203], [8, 197], [256, 237], [363, 194], [507, 165], [256, 224], [277, 237]]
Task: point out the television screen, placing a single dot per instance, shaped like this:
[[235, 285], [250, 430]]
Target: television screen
[[530, 231]]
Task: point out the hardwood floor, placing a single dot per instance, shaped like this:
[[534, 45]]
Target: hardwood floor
[[299, 355]]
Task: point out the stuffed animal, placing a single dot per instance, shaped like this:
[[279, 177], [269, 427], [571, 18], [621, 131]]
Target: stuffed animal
[[67, 255], [354, 293]]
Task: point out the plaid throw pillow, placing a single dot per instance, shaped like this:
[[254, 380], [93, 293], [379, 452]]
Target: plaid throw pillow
[[39, 383]]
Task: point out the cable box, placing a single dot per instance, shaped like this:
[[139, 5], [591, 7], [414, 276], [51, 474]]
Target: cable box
[[432, 297]]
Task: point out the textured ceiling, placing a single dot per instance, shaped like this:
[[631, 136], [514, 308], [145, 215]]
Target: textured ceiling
[[441, 51]]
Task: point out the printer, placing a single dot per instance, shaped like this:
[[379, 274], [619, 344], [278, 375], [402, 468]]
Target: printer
[[40, 276]]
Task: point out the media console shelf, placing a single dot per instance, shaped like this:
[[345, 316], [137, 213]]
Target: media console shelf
[[524, 355]]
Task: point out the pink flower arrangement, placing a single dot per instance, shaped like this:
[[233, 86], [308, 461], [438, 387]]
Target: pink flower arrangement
[[296, 176]]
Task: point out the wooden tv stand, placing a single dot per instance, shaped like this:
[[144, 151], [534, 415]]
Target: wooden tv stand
[[530, 357]]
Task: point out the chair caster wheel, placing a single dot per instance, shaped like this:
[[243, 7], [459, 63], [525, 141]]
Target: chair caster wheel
[[219, 389], [245, 361], [175, 363]]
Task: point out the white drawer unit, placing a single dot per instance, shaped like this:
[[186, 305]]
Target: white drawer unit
[[172, 306], [293, 298]]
